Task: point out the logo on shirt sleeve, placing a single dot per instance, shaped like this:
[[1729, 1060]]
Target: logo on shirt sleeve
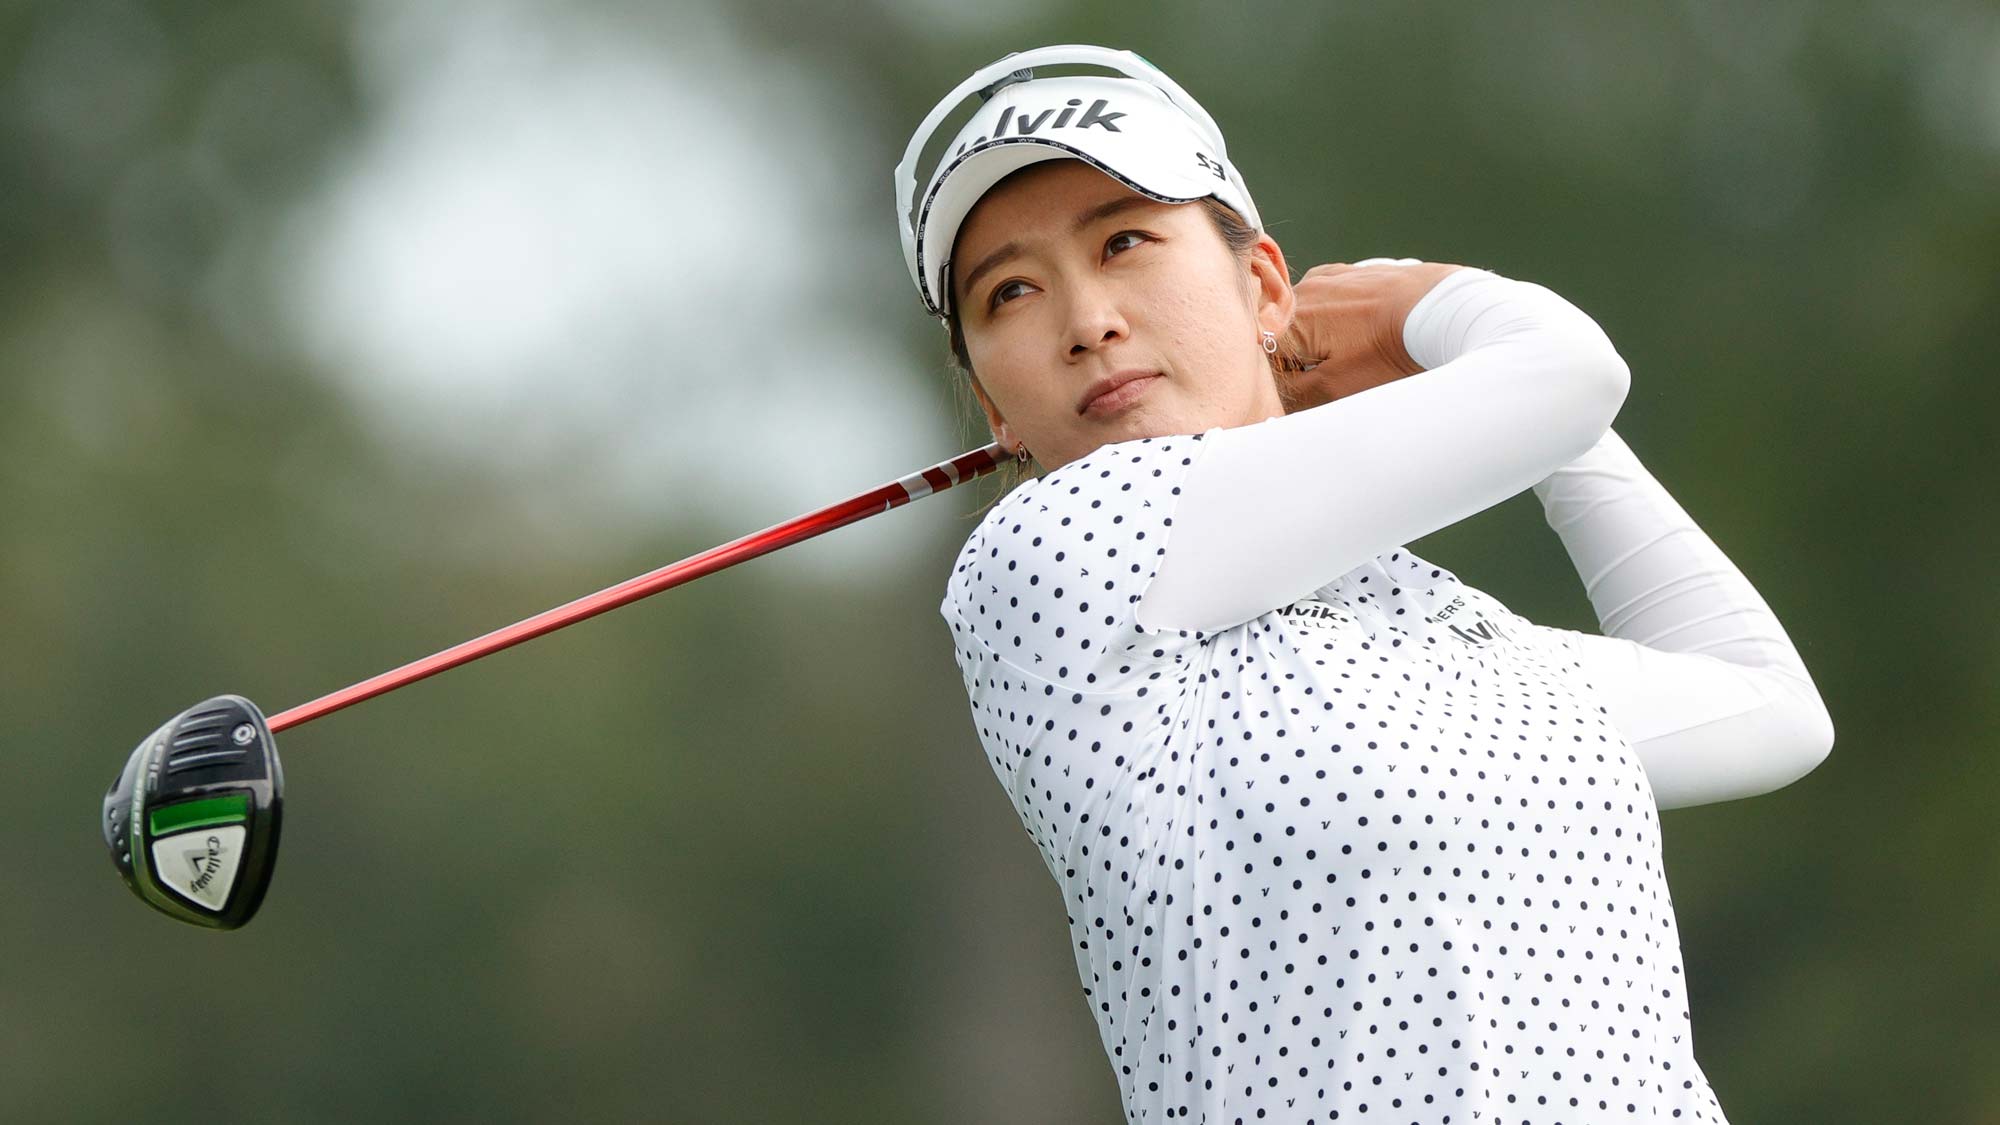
[[1478, 631], [1311, 611]]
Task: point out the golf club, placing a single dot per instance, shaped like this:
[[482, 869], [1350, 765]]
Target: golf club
[[192, 821]]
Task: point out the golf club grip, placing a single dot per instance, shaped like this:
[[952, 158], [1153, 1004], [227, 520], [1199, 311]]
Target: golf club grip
[[937, 478]]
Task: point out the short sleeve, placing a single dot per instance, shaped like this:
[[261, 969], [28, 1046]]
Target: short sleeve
[[1050, 580]]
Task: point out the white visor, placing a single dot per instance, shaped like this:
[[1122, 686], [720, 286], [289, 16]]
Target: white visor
[[1130, 129]]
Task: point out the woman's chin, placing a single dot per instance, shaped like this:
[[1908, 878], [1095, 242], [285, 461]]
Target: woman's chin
[[1138, 424], [1125, 429]]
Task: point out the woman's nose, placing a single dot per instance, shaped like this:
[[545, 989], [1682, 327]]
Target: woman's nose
[[1094, 321]]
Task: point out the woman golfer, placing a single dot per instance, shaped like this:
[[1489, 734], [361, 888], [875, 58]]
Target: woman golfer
[[1340, 837]]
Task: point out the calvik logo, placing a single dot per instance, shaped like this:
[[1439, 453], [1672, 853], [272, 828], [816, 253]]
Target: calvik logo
[[1479, 632], [1311, 611], [1026, 123]]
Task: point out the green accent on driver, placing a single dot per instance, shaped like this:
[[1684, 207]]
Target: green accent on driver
[[231, 809]]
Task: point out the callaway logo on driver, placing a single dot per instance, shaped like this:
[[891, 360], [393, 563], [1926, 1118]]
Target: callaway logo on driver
[[192, 821]]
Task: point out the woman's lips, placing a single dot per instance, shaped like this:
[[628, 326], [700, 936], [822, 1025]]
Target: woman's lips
[[1119, 397]]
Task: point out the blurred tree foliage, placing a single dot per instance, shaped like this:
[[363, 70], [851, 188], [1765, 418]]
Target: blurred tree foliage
[[733, 855]]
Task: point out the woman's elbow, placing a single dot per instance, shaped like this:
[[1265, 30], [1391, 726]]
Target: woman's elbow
[[1585, 357], [1603, 378], [1613, 381], [1812, 738], [1585, 370], [1798, 740], [1797, 737], [1763, 752], [1594, 381]]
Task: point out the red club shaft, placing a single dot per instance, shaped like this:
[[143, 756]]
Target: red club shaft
[[896, 493]]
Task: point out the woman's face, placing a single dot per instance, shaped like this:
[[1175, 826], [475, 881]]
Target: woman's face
[[1093, 314]]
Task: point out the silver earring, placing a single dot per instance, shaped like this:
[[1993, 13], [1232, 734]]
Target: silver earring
[[1021, 453], [1270, 342]]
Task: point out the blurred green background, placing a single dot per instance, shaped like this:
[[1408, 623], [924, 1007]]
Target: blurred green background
[[332, 334]]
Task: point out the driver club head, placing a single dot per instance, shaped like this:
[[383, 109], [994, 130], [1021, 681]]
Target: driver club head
[[192, 821]]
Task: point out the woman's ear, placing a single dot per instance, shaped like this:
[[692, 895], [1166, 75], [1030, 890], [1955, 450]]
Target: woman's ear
[[1275, 300], [1001, 433]]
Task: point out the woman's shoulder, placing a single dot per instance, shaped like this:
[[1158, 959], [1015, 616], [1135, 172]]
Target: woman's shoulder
[[1057, 565], [1111, 485], [1149, 458]]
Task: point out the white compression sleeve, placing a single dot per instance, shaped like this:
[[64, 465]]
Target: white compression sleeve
[[1694, 670], [1519, 382]]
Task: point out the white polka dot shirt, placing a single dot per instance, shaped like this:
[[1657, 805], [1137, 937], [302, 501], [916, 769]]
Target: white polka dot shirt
[[1375, 848]]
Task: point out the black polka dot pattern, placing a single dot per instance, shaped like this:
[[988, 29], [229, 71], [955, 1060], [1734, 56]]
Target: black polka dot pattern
[[1374, 855]]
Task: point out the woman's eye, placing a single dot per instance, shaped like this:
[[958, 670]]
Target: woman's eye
[[1007, 291], [1118, 243]]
